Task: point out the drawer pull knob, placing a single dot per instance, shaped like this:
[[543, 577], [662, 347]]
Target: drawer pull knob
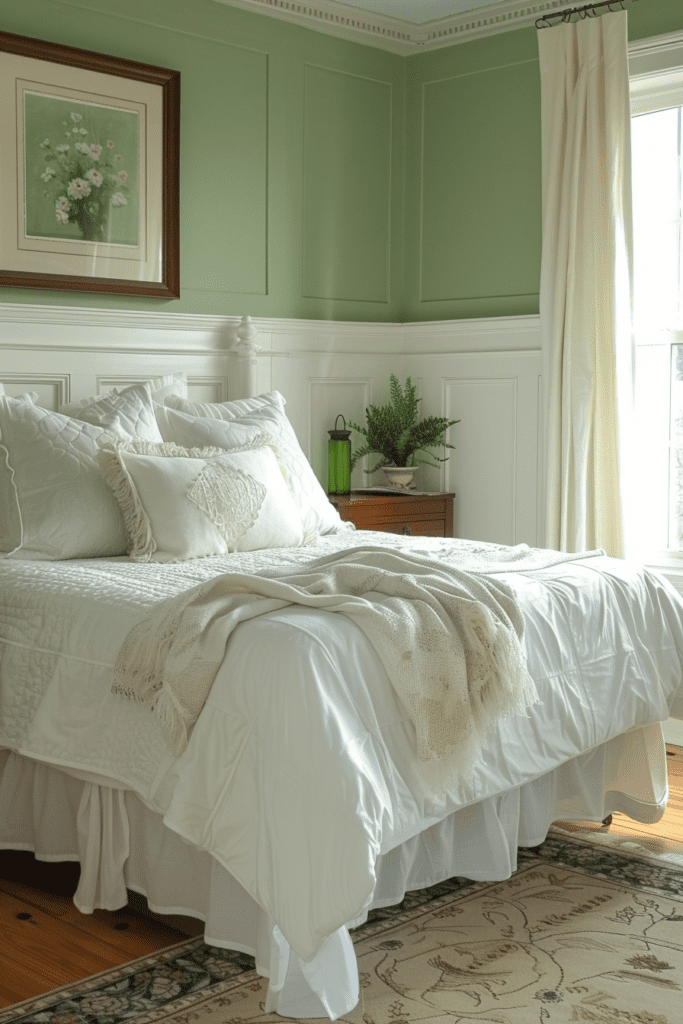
[[406, 529]]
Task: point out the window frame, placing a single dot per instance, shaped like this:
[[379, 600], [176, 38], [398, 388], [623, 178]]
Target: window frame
[[656, 82]]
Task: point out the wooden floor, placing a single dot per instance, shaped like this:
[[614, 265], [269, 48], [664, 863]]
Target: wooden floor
[[47, 943], [667, 835]]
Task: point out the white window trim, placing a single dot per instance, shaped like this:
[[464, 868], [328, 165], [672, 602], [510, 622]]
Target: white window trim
[[656, 78], [655, 53], [655, 72]]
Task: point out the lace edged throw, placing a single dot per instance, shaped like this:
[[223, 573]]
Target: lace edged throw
[[451, 643]]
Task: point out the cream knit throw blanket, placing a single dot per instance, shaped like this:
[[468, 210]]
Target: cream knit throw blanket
[[450, 641]]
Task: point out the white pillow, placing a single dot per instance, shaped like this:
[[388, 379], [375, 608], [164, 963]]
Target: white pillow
[[181, 503], [171, 384], [27, 396], [54, 502], [267, 412], [159, 388], [203, 431], [128, 413]]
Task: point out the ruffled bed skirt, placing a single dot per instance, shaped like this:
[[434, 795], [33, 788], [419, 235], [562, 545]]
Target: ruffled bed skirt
[[122, 845]]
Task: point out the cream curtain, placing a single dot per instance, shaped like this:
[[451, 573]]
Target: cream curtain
[[586, 275]]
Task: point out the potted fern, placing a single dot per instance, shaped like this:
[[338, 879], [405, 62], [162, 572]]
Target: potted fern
[[394, 432]]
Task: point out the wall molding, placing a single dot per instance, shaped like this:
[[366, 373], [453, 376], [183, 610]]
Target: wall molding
[[508, 333], [84, 316]]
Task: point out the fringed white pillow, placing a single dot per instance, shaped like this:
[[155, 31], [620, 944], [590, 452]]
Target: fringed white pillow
[[267, 412], [180, 503]]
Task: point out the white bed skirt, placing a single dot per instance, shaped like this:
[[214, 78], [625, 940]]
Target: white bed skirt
[[122, 845]]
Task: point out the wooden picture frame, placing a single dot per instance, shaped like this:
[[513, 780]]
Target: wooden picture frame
[[104, 214]]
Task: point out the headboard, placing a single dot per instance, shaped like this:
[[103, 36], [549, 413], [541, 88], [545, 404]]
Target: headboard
[[82, 352]]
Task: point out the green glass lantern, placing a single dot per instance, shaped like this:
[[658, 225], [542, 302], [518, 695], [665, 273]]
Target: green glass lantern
[[339, 459]]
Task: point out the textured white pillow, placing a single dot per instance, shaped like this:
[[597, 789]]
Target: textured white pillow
[[181, 503], [27, 396], [267, 412], [171, 384], [203, 431], [54, 502], [128, 413], [134, 406]]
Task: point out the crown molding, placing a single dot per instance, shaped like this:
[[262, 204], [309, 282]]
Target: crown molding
[[395, 34]]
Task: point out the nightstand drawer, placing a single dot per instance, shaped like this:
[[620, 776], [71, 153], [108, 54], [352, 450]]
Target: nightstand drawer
[[404, 509], [421, 528], [420, 515]]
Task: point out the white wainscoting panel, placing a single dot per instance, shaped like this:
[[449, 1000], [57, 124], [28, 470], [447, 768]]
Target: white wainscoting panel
[[318, 386], [50, 388], [349, 397], [494, 468], [482, 471], [87, 351], [484, 372]]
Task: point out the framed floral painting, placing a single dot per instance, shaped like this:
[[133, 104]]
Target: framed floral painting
[[89, 171]]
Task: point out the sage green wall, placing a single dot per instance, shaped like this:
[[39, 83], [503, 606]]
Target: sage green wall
[[327, 179], [473, 171], [292, 148]]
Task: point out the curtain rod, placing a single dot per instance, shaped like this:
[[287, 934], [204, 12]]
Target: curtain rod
[[583, 12]]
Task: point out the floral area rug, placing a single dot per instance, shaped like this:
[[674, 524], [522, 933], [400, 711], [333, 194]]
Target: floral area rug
[[579, 933]]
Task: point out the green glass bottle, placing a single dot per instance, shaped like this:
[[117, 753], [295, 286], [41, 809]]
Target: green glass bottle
[[339, 459]]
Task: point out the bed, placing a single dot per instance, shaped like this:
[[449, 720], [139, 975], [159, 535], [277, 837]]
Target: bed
[[295, 800]]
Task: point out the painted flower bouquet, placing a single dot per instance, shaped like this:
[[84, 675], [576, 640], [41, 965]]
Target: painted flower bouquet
[[84, 179]]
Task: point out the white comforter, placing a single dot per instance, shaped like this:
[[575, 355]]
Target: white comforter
[[301, 768]]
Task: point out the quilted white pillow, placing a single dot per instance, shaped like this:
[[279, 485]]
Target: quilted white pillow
[[181, 503], [267, 412], [128, 413], [160, 388], [54, 502]]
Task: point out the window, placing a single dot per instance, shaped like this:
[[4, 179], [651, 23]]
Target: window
[[657, 160]]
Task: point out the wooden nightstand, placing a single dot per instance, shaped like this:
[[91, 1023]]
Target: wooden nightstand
[[424, 515]]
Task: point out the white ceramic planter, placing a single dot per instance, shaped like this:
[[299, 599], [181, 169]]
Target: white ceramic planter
[[400, 476]]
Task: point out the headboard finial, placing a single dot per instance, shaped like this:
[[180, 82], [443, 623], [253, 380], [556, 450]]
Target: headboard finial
[[246, 332], [246, 349]]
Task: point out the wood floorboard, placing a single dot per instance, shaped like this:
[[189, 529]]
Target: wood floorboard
[[48, 943], [666, 835], [127, 931], [42, 952]]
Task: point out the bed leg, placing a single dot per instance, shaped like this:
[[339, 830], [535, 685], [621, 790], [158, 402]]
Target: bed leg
[[607, 821]]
